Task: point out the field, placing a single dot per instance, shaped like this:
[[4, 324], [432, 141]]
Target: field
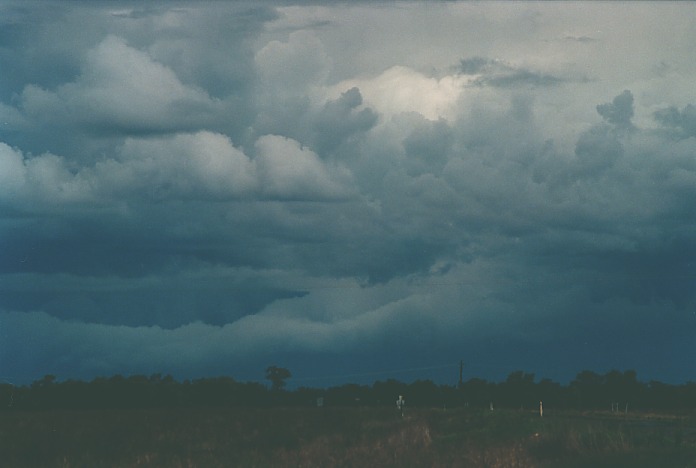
[[344, 437]]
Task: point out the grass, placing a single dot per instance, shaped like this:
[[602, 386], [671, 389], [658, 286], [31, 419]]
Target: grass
[[343, 437]]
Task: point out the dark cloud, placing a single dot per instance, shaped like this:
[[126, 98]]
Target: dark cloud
[[210, 188], [30, 51], [657, 275], [169, 302], [65, 69], [474, 65], [340, 119], [500, 74], [522, 77], [583, 39], [428, 146], [683, 122], [620, 111], [596, 150]]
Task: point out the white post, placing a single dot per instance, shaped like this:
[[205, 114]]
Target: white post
[[541, 409], [400, 405]]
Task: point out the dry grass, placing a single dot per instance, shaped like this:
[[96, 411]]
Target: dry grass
[[334, 437]]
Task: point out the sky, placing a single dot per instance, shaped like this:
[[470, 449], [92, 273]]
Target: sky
[[353, 191]]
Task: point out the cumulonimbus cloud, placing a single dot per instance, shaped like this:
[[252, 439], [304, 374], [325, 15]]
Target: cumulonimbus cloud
[[232, 180], [121, 89]]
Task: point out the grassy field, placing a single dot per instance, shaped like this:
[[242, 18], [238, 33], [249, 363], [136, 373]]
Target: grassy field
[[344, 437]]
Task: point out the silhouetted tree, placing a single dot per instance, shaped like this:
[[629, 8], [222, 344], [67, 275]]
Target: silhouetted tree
[[623, 387], [587, 391], [476, 392], [519, 390], [424, 393], [277, 376], [551, 393], [386, 392]]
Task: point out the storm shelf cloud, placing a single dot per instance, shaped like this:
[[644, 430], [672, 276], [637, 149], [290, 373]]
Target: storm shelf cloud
[[340, 189]]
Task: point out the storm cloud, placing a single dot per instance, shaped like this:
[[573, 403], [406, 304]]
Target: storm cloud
[[211, 188]]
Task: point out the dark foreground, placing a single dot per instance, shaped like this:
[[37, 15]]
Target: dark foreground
[[344, 437]]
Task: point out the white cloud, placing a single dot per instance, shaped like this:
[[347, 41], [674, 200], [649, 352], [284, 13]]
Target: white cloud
[[288, 170], [293, 65], [189, 166], [12, 171], [199, 165], [36, 183], [401, 89], [121, 89], [474, 200]]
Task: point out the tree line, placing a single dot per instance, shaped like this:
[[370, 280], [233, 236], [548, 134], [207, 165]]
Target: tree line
[[612, 391]]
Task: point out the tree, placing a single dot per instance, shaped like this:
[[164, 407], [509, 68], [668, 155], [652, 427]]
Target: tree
[[623, 387], [519, 390], [277, 376], [587, 390]]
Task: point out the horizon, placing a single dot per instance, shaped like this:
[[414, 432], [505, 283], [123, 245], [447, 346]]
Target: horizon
[[367, 379]]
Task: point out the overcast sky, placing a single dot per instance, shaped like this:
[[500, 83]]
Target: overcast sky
[[349, 190]]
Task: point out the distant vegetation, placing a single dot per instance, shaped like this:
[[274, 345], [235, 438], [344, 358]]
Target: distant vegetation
[[614, 391]]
